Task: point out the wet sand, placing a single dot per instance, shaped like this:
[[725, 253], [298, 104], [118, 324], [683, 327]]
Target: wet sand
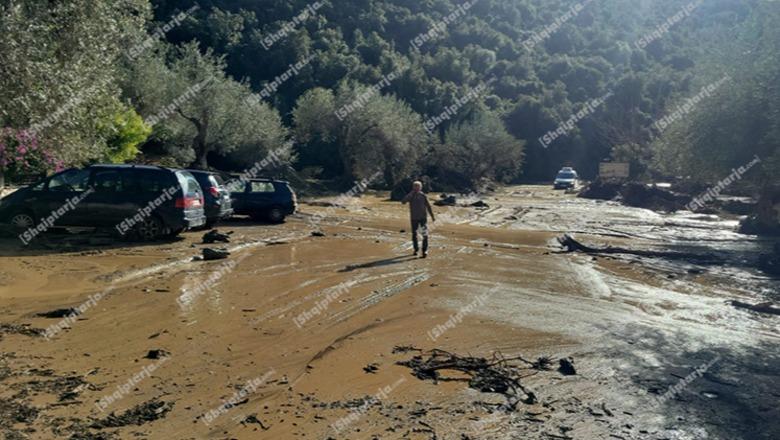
[[298, 336]]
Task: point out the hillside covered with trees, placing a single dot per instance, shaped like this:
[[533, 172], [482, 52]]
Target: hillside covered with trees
[[460, 92]]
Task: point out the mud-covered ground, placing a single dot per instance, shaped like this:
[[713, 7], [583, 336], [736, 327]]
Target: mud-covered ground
[[299, 336]]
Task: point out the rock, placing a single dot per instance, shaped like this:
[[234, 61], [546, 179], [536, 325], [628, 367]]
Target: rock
[[214, 236], [640, 195], [59, 313], [317, 234], [739, 206], [252, 418], [753, 226], [635, 194], [215, 254], [480, 204], [157, 354], [566, 367], [448, 201], [601, 190]]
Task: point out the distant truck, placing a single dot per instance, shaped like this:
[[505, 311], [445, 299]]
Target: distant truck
[[566, 178]]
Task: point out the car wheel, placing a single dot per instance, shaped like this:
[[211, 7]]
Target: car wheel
[[174, 233], [276, 215], [22, 221], [150, 229]]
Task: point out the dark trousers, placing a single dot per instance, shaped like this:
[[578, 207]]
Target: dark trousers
[[423, 226]]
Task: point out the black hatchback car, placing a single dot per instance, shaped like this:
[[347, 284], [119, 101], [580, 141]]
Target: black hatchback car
[[143, 202], [264, 199], [217, 202]]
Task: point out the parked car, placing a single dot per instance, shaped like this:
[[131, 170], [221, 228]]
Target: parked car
[[265, 199], [566, 178], [145, 202], [216, 196]]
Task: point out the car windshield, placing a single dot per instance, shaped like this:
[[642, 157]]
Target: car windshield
[[566, 175]]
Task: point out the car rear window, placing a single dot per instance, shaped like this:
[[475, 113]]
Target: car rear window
[[215, 181], [188, 182]]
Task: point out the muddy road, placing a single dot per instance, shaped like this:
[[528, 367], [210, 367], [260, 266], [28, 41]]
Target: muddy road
[[300, 336]]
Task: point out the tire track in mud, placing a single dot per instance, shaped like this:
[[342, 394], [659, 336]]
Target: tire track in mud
[[119, 279], [378, 296], [348, 284], [123, 279]]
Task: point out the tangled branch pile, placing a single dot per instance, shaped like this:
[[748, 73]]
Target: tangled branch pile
[[494, 375]]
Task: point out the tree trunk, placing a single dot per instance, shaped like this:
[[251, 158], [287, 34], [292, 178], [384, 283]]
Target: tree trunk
[[199, 145], [348, 175], [201, 156], [2, 179], [199, 141]]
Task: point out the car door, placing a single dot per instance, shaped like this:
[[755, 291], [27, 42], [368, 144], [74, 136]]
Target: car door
[[239, 193], [261, 196], [109, 203], [64, 198]]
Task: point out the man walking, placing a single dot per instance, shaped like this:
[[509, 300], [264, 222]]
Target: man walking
[[419, 208]]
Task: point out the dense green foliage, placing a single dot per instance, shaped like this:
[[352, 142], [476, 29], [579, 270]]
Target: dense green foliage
[[534, 87], [126, 132], [228, 81], [741, 121], [60, 63]]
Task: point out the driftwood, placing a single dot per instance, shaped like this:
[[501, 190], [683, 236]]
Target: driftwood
[[214, 236], [760, 308], [572, 245], [215, 254], [495, 375]]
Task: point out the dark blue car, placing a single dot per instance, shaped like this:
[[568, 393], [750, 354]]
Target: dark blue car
[[138, 201], [264, 199]]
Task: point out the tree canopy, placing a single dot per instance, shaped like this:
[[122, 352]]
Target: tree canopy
[[224, 82]]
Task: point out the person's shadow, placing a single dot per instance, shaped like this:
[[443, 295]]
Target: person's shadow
[[379, 263]]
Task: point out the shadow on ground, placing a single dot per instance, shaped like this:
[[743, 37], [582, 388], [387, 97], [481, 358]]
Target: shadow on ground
[[720, 391], [379, 263]]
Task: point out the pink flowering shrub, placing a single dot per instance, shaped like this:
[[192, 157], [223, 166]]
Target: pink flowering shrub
[[20, 154]]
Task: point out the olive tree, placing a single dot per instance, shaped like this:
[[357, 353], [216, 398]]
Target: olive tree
[[197, 109], [371, 133]]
